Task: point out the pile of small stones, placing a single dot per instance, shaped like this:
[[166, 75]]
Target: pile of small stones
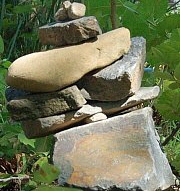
[[87, 90]]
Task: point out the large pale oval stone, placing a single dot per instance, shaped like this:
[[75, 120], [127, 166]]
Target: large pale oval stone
[[54, 69]]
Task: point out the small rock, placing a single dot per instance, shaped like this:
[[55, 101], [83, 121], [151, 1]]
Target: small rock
[[95, 117], [62, 13], [120, 79], [66, 5], [120, 153], [55, 69], [47, 104], [70, 32], [53, 124], [76, 10]]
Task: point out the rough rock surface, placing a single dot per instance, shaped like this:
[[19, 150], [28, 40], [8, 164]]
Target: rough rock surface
[[62, 13], [118, 153], [55, 69], [118, 80], [48, 125], [95, 117], [53, 124], [76, 10], [12, 93], [70, 32], [144, 94], [47, 104]]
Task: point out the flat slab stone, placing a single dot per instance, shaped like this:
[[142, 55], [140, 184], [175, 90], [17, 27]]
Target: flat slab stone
[[144, 94], [120, 153], [41, 105], [55, 69], [49, 125], [118, 80], [95, 117], [70, 32], [53, 124]]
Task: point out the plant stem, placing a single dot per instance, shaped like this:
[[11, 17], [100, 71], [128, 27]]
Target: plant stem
[[113, 14], [14, 39], [2, 15], [11, 179], [172, 7], [171, 135]]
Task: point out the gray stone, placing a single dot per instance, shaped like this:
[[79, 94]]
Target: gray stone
[[53, 124], [70, 32], [144, 94], [49, 125], [95, 117], [12, 93], [120, 153], [120, 79], [62, 13], [46, 104], [76, 10]]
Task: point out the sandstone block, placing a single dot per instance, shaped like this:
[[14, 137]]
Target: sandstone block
[[49, 125], [47, 104], [76, 10], [119, 80], [55, 69], [120, 153], [53, 124], [70, 32]]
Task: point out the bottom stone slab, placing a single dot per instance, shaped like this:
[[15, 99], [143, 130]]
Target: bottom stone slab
[[120, 153]]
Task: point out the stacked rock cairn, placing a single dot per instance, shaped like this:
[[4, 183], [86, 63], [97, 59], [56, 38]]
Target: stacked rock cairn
[[86, 91]]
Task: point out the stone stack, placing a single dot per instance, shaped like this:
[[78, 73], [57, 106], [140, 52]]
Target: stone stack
[[87, 90]]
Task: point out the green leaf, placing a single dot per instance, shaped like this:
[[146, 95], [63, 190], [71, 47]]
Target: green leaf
[[1, 45], [6, 63], [167, 53], [153, 9], [22, 138], [174, 86], [169, 104], [23, 9], [168, 24], [55, 188], [164, 75], [46, 173], [44, 144], [39, 163]]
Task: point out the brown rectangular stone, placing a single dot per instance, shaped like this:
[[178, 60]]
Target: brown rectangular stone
[[45, 104], [70, 32]]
